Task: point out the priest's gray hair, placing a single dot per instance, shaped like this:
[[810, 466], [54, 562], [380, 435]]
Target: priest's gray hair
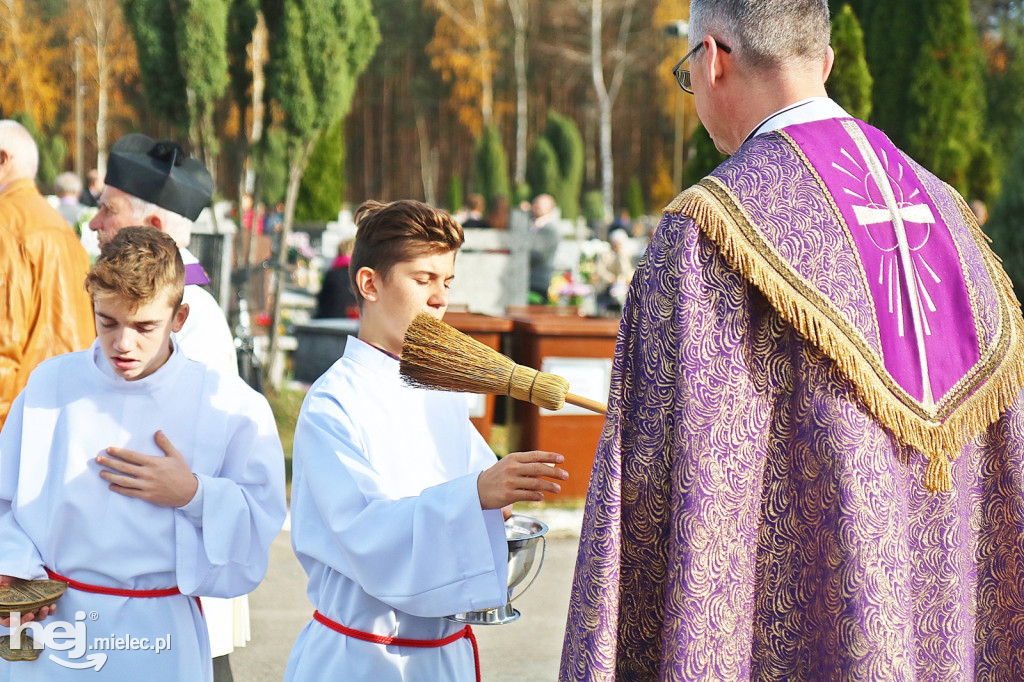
[[19, 145], [764, 33], [176, 225]]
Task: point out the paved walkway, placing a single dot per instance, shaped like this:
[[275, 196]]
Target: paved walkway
[[527, 650]]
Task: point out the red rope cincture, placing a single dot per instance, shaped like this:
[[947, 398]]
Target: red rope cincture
[[117, 591], [465, 633]]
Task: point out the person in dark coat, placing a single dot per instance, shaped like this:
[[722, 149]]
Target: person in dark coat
[[336, 298]]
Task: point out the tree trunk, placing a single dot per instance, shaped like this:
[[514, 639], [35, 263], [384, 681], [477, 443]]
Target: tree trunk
[[426, 160], [604, 104], [102, 100], [368, 164], [208, 139], [98, 17], [486, 73], [247, 182], [385, 141], [296, 167], [607, 167], [79, 112], [193, 123], [519, 16]]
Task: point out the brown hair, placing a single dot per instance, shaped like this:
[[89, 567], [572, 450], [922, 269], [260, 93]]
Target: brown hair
[[137, 265], [388, 234]]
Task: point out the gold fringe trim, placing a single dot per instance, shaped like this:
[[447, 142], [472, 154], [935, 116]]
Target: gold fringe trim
[[941, 441]]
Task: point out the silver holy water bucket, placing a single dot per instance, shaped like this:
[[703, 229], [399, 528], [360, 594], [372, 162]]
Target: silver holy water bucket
[[524, 535]]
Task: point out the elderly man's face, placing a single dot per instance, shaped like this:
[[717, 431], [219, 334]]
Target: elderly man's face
[[542, 205], [115, 212]]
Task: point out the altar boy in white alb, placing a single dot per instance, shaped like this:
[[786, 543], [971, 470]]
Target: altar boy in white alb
[[140, 477], [154, 183], [396, 499]]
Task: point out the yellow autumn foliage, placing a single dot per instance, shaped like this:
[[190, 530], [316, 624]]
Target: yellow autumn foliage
[[29, 66], [461, 51]]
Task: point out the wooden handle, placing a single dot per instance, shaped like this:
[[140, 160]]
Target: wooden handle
[[586, 403]]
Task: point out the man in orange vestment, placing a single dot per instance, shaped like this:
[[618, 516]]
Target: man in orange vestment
[[44, 308]]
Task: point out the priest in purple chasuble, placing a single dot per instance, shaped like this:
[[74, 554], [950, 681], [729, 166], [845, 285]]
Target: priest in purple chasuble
[[813, 459]]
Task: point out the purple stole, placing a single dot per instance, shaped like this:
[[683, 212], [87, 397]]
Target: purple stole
[[194, 274], [917, 285], [907, 332]]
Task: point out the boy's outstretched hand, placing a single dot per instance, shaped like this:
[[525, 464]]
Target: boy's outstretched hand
[[38, 614], [165, 481], [520, 477]]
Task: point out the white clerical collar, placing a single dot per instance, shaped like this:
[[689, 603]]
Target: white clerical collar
[[369, 356], [804, 111]]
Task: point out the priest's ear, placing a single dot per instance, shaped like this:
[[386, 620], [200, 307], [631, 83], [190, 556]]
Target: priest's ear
[[180, 315], [830, 59], [368, 283]]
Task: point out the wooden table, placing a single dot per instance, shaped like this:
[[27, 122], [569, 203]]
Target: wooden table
[[563, 339], [487, 330]]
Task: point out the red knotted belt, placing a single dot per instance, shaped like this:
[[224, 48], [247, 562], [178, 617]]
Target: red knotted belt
[[117, 591], [465, 633]]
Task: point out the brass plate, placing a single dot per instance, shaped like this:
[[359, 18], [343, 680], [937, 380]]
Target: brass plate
[[27, 652], [25, 596]]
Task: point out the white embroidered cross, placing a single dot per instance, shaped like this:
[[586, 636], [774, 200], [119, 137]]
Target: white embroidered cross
[[896, 215], [918, 213]]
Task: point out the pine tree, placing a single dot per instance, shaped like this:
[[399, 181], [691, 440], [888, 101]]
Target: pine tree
[[323, 184], [850, 82], [455, 193], [521, 192], [567, 142], [542, 172], [317, 52], [272, 166], [946, 98], [1004, 89], [182, 49], [490, 163], [593, 207], [706, 156], [836, 6], [982, 174], [1006, 224], [892, 36], [247, 55], [635, 198]]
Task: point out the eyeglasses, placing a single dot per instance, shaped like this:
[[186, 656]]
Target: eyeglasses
[[683, 75]]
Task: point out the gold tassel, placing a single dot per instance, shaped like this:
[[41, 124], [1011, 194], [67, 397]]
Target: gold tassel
[[707, 203], [938, 477]]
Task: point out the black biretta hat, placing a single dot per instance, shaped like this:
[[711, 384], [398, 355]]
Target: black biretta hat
[[160, 173]]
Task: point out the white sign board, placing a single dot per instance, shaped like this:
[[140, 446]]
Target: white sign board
[[587, 377]]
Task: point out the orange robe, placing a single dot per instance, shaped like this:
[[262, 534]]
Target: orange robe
[[44, 308]]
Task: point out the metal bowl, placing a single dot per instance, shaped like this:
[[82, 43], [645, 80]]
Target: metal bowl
[[523, 534]]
